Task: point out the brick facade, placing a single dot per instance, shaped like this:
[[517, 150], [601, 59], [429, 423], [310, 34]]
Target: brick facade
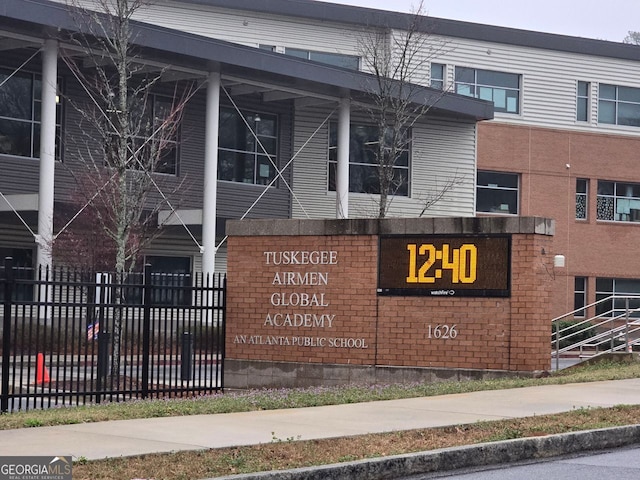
[[284, 319], [548, 162]]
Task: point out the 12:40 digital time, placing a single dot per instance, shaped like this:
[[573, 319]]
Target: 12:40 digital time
[[466, 265], [461, 262]]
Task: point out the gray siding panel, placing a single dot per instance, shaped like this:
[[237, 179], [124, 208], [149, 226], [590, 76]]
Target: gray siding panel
[[441, 151]]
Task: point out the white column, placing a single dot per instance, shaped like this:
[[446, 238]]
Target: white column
[[210, 174], [47, 152], [342, 169]]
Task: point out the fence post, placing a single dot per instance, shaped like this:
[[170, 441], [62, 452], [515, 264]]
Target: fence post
[[104, 340], [146, 327], [6, 333], [557, 325], [186, 360], [626, 327], [222, 332]]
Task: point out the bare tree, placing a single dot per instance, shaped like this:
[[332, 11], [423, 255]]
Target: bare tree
[[127, 135], [398, 60], [632, 37]]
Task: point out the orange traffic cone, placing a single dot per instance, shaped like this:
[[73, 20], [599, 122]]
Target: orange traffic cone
[[42, 373]]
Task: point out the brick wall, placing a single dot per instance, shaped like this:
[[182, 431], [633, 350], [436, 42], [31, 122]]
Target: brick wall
[[593, 248], [285, 316]]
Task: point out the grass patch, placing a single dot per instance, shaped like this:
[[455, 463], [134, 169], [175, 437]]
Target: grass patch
[[284, 453], [297, 398], [279, 455]]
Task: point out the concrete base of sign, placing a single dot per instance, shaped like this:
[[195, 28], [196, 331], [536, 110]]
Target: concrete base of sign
[[245, 374]]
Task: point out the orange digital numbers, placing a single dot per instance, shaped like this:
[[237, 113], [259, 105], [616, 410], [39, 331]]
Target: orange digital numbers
[[423, 268]]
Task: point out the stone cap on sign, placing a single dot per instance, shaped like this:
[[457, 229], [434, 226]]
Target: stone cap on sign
[[387, 226]]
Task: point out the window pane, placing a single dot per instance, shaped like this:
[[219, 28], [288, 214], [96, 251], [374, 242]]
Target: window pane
[[583, 89], [606, 112], [16, 96], [344, 61], [629, 114], [266, 126], [580, 295], [498, 79], [581, 185], [467, 90], [240, 157], [629, 94], [497, 201], [582, 113], [269, 144], [513, 102], [605, 208], [266, 172], [437, 75], [465, 75], [296, 52], [605, 188], [607, 92], [363, 175], [501, 88], [437, 71], [167, 161], [226, 165], [500, 98], [628, 190], [15, 137], [496, 179], [604, 285], [170, 276], [363, 179]]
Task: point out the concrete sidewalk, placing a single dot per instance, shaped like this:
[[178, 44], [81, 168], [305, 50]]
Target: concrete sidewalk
[[135, 437]]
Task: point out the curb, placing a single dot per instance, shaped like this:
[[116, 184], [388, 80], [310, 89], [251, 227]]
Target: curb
[[446, 459]]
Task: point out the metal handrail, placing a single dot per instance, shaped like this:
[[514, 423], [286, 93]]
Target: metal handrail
[[586, 307], [601, 320]]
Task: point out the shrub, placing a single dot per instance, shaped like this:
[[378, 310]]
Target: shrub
[[582, 332]]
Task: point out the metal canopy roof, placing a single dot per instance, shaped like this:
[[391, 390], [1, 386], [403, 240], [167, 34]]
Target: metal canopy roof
[[30, 21]]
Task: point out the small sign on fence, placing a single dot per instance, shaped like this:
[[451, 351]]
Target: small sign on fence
[[93, 329]]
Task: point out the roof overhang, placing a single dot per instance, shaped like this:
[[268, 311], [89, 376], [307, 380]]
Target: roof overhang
[[42, 19], [369, 17]]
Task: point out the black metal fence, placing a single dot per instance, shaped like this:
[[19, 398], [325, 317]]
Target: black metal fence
[[73, 337]]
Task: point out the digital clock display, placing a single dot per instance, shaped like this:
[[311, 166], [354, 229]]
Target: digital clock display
[[445, 266]]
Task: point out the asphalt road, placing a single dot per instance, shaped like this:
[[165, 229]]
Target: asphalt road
[[611, 465]]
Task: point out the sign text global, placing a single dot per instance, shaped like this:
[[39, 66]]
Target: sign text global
[[294, 306]]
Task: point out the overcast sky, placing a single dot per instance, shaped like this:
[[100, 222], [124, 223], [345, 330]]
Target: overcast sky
[[604, 20]]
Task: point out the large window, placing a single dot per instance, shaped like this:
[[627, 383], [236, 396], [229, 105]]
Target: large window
[[170, 275], [503, 89], [23, 270], [497, 192], [363, 172], [150, 118], [337, 59], [618, 202], [606, 287], [582, 197], [582, 102], [20, 108], [242, 157], [619, 105]]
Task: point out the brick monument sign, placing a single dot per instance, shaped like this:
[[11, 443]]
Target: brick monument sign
[[326, 302]]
